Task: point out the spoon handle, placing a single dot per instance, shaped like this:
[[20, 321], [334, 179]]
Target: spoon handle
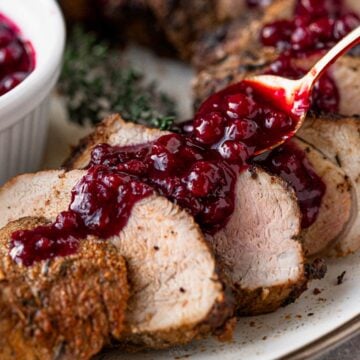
[[349, 41]]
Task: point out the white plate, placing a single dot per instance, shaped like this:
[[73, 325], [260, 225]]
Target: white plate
[[265, 337]]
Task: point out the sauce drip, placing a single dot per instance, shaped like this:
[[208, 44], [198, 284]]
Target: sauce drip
[[100, 205], [17, 57], [290, 163]]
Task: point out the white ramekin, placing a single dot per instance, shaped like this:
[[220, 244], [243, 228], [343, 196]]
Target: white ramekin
[[24, 110]]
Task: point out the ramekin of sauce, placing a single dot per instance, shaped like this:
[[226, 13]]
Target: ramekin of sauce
[[32, 37]]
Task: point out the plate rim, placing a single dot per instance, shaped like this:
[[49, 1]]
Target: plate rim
[[327, 342]]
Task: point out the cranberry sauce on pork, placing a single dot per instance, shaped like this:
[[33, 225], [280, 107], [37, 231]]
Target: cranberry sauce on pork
[[101, 204], [316, 26], [197, 170], [290, 163]]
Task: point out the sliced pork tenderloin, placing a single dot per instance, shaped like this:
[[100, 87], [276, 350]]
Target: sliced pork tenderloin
[[113, 131], [258, 248], [337, 204], [170, 26], [259, 198], [234, 71], [176, 294], [338, 138], [346, 73]]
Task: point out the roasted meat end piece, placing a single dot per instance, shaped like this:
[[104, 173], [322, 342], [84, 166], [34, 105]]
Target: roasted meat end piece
[[239, 35], [65, 308]]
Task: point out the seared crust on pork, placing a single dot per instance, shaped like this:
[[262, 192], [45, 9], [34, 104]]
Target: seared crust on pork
[[338, 138], [175, 24], [176, 292], [247, 229], [77, 10], [238, 36], [65, 308], [184, 21]]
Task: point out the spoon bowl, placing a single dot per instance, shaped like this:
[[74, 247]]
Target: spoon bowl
[[294, 96]]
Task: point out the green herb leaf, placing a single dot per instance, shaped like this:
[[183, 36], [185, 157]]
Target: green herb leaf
[[96, 83]]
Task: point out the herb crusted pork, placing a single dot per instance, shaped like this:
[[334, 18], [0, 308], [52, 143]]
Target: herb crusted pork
[[51, 310]]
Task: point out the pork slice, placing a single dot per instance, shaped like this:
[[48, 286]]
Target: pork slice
[[354, 5], [176, 294], [65, 308], [260, 198], [242, 33], [258, 248], [346, 73], [238, 35], [185, 20], [336, 207], [113, 131], [338, 138]]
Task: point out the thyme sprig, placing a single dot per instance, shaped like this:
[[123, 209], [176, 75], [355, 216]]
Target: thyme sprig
[[95, 83]]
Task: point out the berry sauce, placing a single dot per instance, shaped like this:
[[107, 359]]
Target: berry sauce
[[239, 123], [17, 57], [100, 205], [197, 171], [290, 163], [317, 25], [192, 176]]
